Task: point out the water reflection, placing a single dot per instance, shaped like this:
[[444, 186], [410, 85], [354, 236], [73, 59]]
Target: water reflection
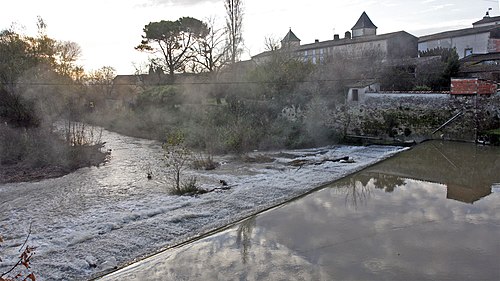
[[402, 219], [468, 171], [244, 236]]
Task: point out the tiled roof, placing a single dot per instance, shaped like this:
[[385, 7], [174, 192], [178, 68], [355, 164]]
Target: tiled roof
[[457, 33], [344, 41], [487, 20], [290, 37], [476, 58], [355, 40], [364, 22]]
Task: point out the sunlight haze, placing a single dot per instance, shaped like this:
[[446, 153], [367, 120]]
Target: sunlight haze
[[109, 30]]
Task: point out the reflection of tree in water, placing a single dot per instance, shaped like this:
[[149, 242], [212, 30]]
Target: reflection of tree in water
[[244, 236], [357, 190], [388, 182], [357, 187]]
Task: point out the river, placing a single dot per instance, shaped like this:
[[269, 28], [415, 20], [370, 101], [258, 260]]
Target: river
[[430, 213], [96, 219]]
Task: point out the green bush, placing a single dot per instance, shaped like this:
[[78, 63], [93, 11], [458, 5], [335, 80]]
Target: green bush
[[422, 88], [188, 188], [160, 96]]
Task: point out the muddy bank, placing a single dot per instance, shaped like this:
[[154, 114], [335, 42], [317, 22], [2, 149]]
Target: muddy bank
[[77, 158]]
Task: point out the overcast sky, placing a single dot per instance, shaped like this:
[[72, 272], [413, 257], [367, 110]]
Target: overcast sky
[[108, 30]]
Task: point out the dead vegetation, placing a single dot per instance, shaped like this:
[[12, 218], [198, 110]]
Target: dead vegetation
[[302, 162], [21, 270]]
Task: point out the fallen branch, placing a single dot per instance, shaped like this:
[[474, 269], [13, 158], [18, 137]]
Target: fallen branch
[[302, 162], [345, 158]]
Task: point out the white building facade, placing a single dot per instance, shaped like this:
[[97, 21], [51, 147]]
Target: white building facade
[[482, 38]]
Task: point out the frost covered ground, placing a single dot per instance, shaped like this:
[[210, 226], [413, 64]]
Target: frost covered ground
[[95, 219]]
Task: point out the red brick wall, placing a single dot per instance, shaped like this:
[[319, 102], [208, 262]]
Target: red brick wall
[[494, 46], [472, 86]]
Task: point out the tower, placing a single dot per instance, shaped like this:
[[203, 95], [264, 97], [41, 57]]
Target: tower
[[364, 27], [291, 41]]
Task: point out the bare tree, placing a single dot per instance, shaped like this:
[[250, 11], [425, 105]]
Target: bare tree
[[102, 79], [234, 23], [67, 53], [271, 43], [177, 157], [100, 85], [211, 50]]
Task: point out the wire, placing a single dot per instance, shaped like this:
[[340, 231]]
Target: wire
[[201, 83]]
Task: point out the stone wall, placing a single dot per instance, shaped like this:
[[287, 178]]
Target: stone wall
[[415, 116]]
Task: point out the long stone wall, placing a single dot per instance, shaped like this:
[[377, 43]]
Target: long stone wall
[[415, 116]]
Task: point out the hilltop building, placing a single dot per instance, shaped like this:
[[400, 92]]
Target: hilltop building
[[478, 47], [291, 41], [364, 27], [482, 38], [487, 21], [361, 41]]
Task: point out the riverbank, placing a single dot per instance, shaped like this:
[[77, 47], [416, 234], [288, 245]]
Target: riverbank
[[95, 219], [85, 156]]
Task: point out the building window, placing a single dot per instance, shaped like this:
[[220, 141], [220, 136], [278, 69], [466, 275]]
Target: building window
[[355, 95], [468, 52]]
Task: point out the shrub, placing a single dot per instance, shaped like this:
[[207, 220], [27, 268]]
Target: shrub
[[160, 96], [204, 163], [177, 156], [422, 88], [188, 188]]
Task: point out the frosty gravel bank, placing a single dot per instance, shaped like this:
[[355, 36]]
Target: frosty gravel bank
[[96, 219]]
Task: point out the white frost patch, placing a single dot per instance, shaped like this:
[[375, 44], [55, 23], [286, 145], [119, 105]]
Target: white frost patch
[[94, 220]]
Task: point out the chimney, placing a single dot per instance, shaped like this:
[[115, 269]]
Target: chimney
[[316, 40], [336, 37], [347, 35]]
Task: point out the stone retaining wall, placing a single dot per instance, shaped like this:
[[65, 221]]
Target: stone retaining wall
[[416, 116]]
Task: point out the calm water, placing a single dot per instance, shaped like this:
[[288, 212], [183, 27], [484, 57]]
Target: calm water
[[431, 213]]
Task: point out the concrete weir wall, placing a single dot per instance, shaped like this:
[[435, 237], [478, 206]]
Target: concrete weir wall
[[408, 116]]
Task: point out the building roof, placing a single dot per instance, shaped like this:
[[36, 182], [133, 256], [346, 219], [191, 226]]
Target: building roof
[[355, 40], [362, 83], [487, 19], [344, 41], [480, 63], [290, 37], [364, 22], [457, 33], [477, 58]]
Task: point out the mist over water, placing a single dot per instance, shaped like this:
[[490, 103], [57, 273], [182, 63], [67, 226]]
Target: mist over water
[[405, 218]]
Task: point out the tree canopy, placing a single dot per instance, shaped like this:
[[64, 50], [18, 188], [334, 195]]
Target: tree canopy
[[437, 74], [173, 41]]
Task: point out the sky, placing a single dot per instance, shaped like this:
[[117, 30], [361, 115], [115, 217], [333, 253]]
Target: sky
[[108, 30]]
